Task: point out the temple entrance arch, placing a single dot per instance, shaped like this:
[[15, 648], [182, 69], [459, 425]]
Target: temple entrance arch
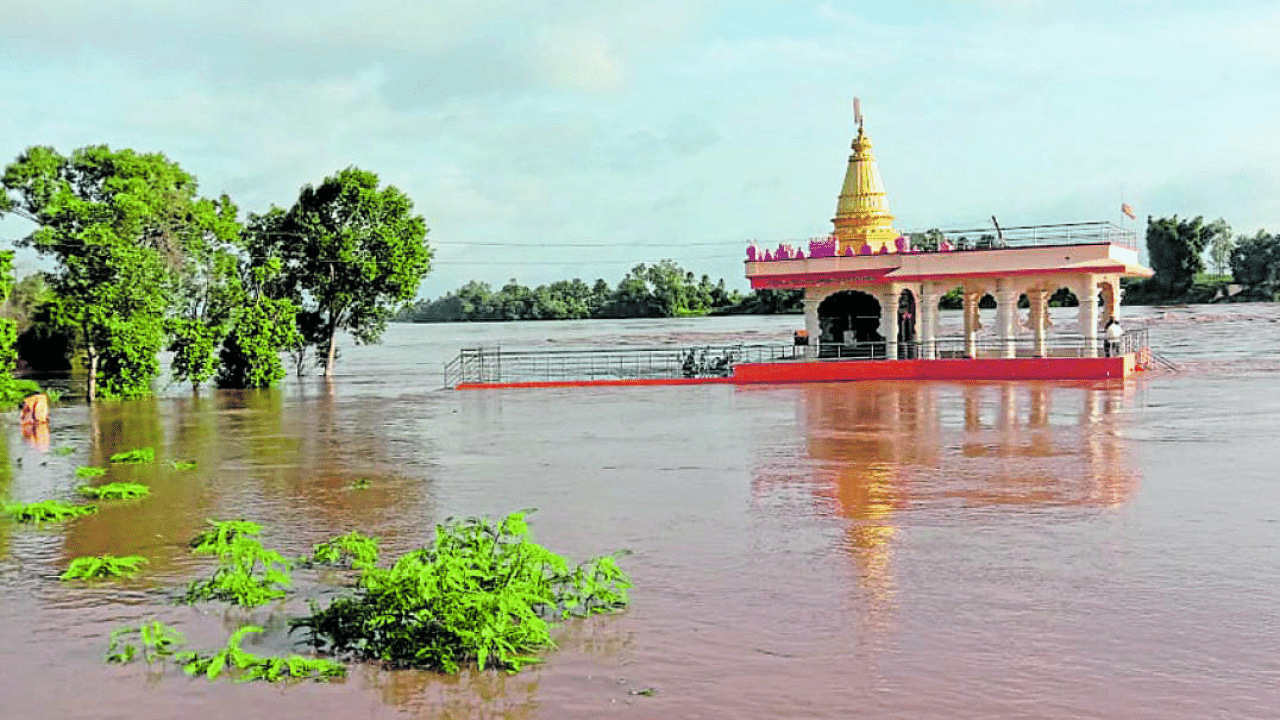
[[849, 320]]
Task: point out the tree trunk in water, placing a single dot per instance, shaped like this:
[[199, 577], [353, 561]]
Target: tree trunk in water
[[333, 351], [92, 392]]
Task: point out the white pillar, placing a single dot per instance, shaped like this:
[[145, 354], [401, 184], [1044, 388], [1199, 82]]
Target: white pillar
[[1007, 316], [1087, 294], [811, 325], [1040, 320], [889, 323], [971, 324], [927, 309]]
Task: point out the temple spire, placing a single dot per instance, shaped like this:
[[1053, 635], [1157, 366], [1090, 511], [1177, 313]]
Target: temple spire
[[862, 212]]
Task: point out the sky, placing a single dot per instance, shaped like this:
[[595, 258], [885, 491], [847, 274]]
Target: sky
[[576, 141]]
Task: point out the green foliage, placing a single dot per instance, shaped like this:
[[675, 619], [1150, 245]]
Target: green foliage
[[482, 593], [248, 574], [118, 224], [352, 550], [157, 641], [183, 464], [88, 471], [1255, 262], [232, 659], [47, 511], [352, 252], [64, 451], [103, 566], [663, 289], [135, 456], [1175, 249], [115, 491], [250, 355], [361, 483]]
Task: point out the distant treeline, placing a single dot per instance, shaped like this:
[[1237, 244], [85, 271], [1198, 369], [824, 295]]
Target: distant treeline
[[1176, 248], [658, 290]]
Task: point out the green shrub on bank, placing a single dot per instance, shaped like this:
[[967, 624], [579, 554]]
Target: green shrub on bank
[[482, 592]]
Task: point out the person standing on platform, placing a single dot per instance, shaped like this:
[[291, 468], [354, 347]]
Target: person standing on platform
[[1114, 334]]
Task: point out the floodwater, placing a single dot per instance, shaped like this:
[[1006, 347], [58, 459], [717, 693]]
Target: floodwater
[[877, 550]]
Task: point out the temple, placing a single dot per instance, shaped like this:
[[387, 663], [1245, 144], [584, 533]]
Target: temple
[[871, 293], [872, 308]]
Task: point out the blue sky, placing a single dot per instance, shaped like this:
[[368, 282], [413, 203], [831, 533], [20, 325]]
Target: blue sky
[[666, 129]]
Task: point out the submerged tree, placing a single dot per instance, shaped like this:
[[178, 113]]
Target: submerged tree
[[352, 253], [208, 294], [262, 329], [1175, 248], [117, 223]]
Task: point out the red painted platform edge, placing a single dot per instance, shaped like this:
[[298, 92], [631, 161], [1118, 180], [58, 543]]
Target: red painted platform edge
[[593, 383], [957, 369]]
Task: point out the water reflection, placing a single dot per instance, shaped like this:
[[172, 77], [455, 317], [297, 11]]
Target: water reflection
[[886, 456]]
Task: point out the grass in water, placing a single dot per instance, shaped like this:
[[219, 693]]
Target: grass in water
[[115, 491], [248, 574], [64, 451], [248, 666], [155, 641], [88, 471], [481, 593], [361, 484], [92, 567], [352, 550], [183, 464], [137, 455], [47, 511]]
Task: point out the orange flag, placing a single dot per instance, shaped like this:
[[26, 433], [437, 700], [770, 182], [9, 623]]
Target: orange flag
[[1128, 210]]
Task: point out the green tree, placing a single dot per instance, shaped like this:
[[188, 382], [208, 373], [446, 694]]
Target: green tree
[[352, 251], [116, 222], [1175, 248], [1255, 261], [8, 333], [1220, 252], [209, 291], [263, 328]]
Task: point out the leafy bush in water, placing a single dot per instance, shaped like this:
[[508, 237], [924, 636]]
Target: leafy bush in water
[[248, 574], [352, 550], [220, 533], [137, 455], [481, 592], [103, 566], [115, 491], [183, 464], [157, 640], [254, 667], [47, 511], [88, 471]]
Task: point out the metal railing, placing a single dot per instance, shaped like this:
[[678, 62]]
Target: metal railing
[[1082, 233], [492, 364]]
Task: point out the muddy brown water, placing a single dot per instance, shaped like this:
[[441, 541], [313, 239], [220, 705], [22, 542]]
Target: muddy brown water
[[881, 550]]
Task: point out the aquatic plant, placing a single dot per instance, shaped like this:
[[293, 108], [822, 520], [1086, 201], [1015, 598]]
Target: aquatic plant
[[115, 491], [64, 451], [361, 483], [91, 567], [248, 574], [220, 533], [352, 550], [88, 471], [47, 511], [183, 464], [232, 658], [156, 639], [137, 455], [481, 592]]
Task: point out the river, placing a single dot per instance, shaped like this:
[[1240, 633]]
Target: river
[[878, 550]]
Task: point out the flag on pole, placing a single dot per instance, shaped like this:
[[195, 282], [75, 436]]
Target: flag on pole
[[1127, 209]]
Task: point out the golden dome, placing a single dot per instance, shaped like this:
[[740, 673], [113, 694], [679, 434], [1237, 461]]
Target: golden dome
[[862, 212]]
